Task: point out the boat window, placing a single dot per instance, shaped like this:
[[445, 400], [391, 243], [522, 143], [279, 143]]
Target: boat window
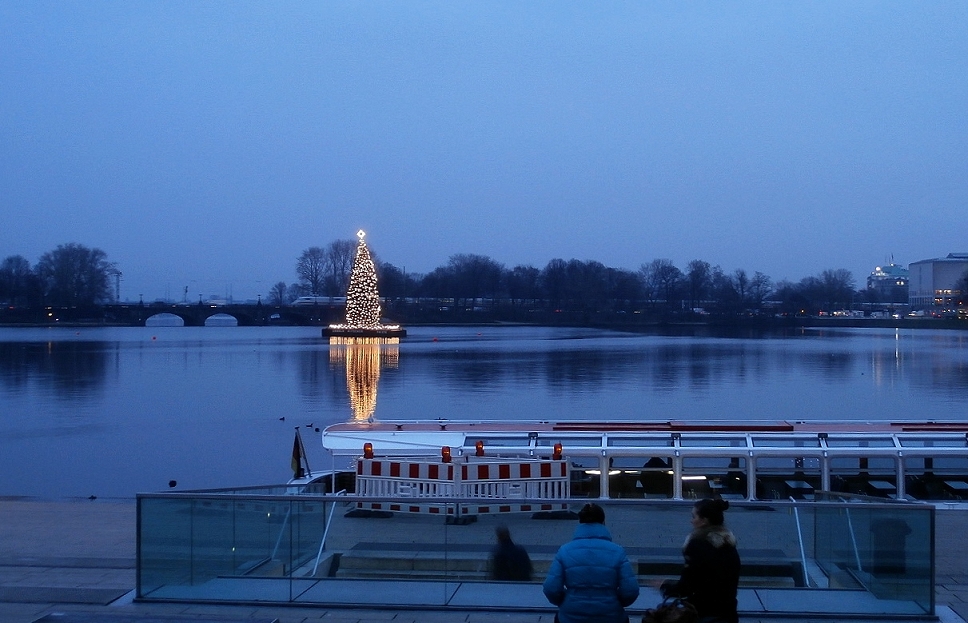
[[570, 442], [860, 442], [711, 476], [641, 442], [640, 477], [946, 464], [786, 442], [636, 462], [862, 463], [500, 442], [787, 464], [864, 475], [586, 477], [713, 462], [779, 478], [957, 442], [712, 442], [936, 478]]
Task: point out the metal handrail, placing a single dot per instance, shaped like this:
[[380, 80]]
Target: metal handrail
[[853, 539], [803, 554], [322, 542]]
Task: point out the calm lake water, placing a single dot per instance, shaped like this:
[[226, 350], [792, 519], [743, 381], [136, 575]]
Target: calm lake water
[[115, 411]]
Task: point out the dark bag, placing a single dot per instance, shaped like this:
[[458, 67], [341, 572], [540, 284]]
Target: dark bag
[[671, 610]]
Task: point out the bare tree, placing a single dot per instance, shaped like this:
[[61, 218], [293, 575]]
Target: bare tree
[[18, 282], [838, 287], [741, 282], [310, 267], [277, 295], [554, 281], [394, 282], [522, 283], [662, 280], [294, 291], [339, 263], [75, 275], [698, 280], [475, 276], [760, 288]]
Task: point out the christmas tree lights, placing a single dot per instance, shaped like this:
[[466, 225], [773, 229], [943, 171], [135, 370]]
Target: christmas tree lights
[[363, 300]]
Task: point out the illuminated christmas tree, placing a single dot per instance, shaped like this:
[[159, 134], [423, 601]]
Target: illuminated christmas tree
[[362, 298], [363, 302]]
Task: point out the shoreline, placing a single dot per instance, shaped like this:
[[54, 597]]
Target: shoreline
[[745, 323]]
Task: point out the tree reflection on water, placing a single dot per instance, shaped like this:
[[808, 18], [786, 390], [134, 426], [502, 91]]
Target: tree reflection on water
[[363, 358]]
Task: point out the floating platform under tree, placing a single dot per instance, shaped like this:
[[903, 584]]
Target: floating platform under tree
[[379, 331]]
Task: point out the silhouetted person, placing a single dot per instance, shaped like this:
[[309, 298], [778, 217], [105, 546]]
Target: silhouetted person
[[710, 576], [509, 561], [591, 579], [654, 481]]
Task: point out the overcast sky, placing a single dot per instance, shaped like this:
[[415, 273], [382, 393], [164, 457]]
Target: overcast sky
[[207, 144]]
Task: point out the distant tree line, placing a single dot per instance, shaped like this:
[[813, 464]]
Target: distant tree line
[[75, 275], [471, 281], [72, 275]]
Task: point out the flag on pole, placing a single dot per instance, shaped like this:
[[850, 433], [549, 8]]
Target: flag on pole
[[298, 456]]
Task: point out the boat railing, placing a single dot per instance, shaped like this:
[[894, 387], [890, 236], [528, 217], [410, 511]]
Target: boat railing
[[919, 463]]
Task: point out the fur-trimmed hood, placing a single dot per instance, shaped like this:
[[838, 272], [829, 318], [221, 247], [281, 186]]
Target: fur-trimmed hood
[[717, 536]]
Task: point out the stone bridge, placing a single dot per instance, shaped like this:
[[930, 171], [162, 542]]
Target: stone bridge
[[246, 315]]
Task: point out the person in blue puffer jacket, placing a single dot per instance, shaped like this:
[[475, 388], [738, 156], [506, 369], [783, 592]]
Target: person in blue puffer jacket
[[591, 578]]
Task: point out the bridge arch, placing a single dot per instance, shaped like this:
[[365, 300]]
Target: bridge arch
[[164, 319]]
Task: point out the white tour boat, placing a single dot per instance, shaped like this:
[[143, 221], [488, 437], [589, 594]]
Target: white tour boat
[[672, 460]]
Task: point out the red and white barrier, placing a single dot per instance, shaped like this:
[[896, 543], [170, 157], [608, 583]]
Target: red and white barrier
[[497, 479]]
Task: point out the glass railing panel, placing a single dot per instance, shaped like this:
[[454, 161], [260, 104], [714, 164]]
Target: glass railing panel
[[164, 544], [438, 552], [216, 548], [887, 550], [376, 556], [298, 539], [653, 536]]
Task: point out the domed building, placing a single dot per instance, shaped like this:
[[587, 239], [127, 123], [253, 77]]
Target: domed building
[[888, 284]]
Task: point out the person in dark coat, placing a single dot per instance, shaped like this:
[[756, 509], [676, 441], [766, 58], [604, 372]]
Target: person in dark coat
[[591, 579], [509, 561], [710, 576]]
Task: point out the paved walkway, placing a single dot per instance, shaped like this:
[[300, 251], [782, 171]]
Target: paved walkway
[[74, 562]]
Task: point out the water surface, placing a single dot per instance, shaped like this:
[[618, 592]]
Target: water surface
[[111, 412]]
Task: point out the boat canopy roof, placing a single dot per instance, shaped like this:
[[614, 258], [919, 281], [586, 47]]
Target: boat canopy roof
[[423, 438]]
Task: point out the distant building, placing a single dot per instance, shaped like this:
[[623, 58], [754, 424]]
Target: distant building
[[888, 284], [935, 283]]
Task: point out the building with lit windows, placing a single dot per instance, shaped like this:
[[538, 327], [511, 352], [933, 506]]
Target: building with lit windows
[[935, 283], [888, 284]]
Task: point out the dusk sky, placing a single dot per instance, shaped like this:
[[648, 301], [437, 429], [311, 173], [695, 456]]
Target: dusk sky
[[207, 144]]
